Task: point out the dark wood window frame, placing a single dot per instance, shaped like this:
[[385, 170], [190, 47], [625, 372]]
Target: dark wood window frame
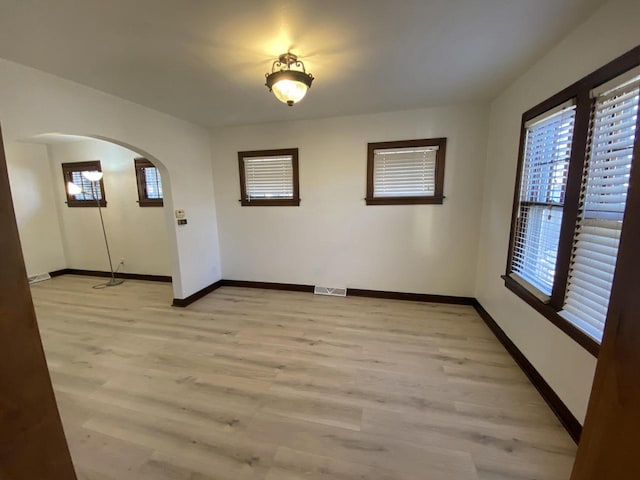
[[580, 93], [69, 168], [435, 199], [271, 202], [143, 200]]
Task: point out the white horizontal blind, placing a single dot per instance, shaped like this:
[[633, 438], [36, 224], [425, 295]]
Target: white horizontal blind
[[602, 205], [153, 183], [542, 188], [87, 190], [404, 172], [269, 177]]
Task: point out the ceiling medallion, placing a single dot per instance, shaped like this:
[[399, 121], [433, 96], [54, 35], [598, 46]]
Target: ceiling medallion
[[287, 84]]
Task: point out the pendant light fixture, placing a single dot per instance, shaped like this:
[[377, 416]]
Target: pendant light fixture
[[288, 84]]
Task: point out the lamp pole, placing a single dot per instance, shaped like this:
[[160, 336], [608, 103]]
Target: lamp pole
[[113, 281]]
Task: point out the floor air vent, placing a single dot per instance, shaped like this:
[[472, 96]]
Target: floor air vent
[[41, 277], [336, 292]]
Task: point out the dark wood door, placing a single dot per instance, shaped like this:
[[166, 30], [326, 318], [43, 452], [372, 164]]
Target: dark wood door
[[610, 444], [32, 442]]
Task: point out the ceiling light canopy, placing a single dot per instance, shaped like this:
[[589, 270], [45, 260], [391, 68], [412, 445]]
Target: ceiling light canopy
[[288, 84]]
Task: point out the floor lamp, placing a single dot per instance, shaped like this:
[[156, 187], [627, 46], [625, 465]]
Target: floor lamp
[[94, 177]]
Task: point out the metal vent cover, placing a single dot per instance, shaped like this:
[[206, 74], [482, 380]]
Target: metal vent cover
[[333, 291], [41, 277]]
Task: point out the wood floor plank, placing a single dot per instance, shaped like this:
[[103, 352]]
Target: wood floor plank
[[291, 464], [277, 385]]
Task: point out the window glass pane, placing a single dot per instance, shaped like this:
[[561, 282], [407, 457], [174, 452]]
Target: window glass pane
[[542, 189], [404, 172], [269, 177], [88, 191], [536, 245], [153, 183]]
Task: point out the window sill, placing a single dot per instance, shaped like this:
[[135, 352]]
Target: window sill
[[151, 203], [552, 315], [85, 203], [405, 200], [287, 202]]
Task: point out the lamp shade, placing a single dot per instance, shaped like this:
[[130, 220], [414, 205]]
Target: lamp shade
[[92, 176], [289, 91], [73, 189]]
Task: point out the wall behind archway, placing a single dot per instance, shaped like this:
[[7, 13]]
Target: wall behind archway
[[33, 103], [34, 202], [137, 235]]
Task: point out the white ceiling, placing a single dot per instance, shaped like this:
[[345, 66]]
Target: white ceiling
[[205, 60]]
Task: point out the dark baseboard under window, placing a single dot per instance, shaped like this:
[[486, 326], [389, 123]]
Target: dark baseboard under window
[[99, 273]]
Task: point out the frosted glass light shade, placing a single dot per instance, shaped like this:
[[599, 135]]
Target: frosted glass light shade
[[73, 189], [92, 176], [289, 91]]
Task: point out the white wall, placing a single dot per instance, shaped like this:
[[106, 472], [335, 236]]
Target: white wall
[[136, 234], [333, 238], [566, 366], [34, 204], [34, 103]]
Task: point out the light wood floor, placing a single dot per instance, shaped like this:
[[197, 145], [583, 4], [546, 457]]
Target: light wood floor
[[258, 384]]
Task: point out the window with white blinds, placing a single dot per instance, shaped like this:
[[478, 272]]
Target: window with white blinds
[[603, 200], [404, 172], [574, 196], [149, 184], [90, 192], [547, 150], [269, 177]]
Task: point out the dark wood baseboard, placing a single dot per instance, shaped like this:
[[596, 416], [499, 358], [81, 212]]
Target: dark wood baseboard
[[414, 297], [183, 302], [355, 292], [292, 287], [99, 273], [57, 273], [570, 423]]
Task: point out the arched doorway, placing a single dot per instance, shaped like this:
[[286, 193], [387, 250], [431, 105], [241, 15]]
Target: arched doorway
[[54, 236]]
